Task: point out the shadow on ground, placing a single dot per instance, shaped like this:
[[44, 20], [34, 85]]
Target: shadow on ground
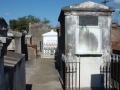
[[56, 66], [98, 89], [28, 86]]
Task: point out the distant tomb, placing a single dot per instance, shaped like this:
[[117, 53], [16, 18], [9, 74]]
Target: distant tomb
[[49, 44]]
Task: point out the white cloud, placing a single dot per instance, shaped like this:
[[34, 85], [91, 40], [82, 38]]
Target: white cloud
[[7, 14], [117, 1]]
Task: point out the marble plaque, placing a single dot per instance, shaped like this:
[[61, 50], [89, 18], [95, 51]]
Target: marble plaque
[[88, 20]]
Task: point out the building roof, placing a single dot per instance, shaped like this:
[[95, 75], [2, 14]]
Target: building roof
[[115, 25]]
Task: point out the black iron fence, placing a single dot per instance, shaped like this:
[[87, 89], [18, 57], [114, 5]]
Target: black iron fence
[[105, 72], [48, 48], [71, 75], [111, 73]]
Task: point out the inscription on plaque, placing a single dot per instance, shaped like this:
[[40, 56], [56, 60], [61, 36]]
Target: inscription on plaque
[[88, 20]]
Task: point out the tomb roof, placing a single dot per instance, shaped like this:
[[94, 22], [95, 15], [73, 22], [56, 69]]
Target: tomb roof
[[12, 33], [88, 6], [12, 59], [51, 33]]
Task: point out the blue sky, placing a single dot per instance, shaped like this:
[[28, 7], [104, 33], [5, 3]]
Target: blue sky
[[50, 9]]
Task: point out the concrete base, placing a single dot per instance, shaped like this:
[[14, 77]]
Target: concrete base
[[90, 72], [47, 56]]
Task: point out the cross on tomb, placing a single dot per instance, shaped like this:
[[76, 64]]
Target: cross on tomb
[[105, 1]]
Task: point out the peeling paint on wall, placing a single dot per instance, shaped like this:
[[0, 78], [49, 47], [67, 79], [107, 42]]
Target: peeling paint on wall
[[71, 22], [104, 24], [88, 40]]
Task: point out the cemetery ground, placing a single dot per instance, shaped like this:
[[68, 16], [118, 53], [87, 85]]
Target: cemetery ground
[[41, 74]]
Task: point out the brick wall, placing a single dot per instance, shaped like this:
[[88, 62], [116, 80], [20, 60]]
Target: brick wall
[[115, 36]]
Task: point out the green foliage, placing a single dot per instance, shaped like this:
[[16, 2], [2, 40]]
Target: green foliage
[[22, 23], [13, 24]]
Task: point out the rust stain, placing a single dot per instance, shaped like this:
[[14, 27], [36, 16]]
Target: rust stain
[[34, 46]]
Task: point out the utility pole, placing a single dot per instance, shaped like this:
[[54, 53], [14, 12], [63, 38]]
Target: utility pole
[[105, 1]]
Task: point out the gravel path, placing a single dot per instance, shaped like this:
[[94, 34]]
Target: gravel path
[[45, 76]]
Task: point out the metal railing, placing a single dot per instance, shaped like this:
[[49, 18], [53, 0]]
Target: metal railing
[[49, 50], [111, 73]]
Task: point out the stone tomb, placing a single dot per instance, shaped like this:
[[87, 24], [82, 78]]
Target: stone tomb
[[85, 37], [28, 39], [15, 44], [49, 44]]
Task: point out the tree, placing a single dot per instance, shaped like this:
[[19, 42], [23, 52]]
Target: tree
[[46, 21], [22, 23], [33, 19]]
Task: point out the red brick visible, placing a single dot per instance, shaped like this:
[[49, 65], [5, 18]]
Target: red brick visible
[[116, 45]]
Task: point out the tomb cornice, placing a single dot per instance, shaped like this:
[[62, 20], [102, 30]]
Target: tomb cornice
[[88, 6], [76, 13], [14, 34]]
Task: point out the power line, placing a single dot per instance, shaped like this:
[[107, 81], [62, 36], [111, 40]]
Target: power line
[[117, 14]]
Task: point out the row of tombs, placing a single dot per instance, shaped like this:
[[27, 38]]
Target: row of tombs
[[12, 64], [15, 49]]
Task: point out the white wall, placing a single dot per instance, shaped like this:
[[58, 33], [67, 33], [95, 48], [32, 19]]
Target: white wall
[[50, 39], [90, 72]]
